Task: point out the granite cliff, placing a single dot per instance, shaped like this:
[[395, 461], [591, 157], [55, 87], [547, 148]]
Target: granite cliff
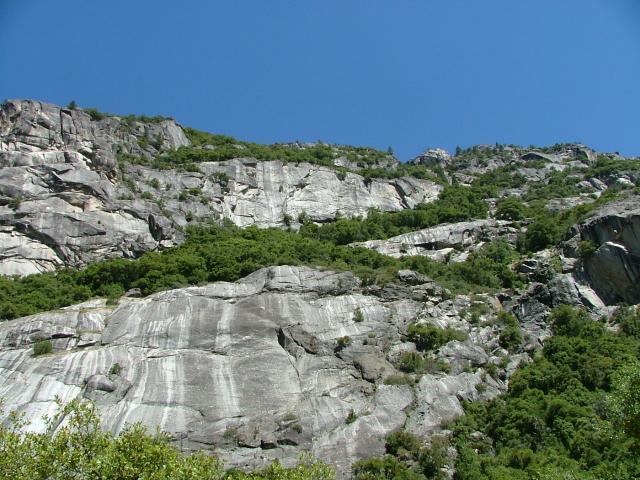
[[296, 358]]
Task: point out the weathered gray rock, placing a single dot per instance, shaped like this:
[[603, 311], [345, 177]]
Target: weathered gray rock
[[441, 241], [613, 271], [433, 157], [438, 399], [64, 200], [249, 368]]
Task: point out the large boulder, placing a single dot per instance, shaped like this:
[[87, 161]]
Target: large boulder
[[614, 269]]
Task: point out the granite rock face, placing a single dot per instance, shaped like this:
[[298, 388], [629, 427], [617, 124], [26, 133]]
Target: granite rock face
[[614, 269], [65, 199], [263, 368], [444, 241]]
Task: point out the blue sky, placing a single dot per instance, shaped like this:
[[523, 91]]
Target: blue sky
[[409, 74]]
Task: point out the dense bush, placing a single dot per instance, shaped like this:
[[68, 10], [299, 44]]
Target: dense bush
[[430, 337], [229, 253], [79, 449], [510, 208], [548, 227], [223, 147], [411, 362], [569, 414], [510, 336], [406, 459]]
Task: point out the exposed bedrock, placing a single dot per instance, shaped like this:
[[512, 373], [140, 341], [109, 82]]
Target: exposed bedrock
[[258, 369], [65, 200]]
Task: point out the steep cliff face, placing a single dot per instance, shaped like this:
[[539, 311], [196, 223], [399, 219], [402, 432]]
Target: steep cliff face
[[290, 359], [613, 269], [66, 200], [285, 360]]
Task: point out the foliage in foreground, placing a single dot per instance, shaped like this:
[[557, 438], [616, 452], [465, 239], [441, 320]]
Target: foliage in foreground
[[79, 449], [228, 253]]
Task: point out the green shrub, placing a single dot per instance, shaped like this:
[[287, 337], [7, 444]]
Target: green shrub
[[15, 202], [95, 114], [545, 231], [511, 335], [411, 362], [42, 347], [402, 443], [399, 380], [387, 467], [342, 343], [586, 249], [628, 318], [115, 369], [561, 417], [352, 417], [510, 208], [358, 316], [430, 337], [78, 448], [227, 253]]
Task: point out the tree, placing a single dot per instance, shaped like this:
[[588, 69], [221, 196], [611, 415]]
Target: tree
[[624, 399], [510, 208]]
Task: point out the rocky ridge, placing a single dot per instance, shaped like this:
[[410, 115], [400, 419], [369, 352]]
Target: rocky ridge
[[66, 200], [286, 359]]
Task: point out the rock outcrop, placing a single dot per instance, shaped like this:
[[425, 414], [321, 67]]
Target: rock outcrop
[[613, 270], [263, 368], [444, 242], [68, 196]]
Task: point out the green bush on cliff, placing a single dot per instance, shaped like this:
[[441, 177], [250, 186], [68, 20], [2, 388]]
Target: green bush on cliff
[[455, 204], [572, 413], [228, 253]]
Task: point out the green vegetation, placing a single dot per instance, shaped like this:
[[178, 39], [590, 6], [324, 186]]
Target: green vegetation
[[548, 227], [510, 208], [413, 362], [223, 147], [352, 417], [572, 413], [95, 114], [358, 316], [229, 253], [511, 335], [628, 320], [606, 166], [406, 459], [456, 203], [490, 183], [42, 347], [15, 202], [79, 449], [342, 343], [586, 248], [557, 185], [430, 337]]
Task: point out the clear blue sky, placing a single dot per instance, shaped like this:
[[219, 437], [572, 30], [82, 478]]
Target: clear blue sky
[[409, 74]]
